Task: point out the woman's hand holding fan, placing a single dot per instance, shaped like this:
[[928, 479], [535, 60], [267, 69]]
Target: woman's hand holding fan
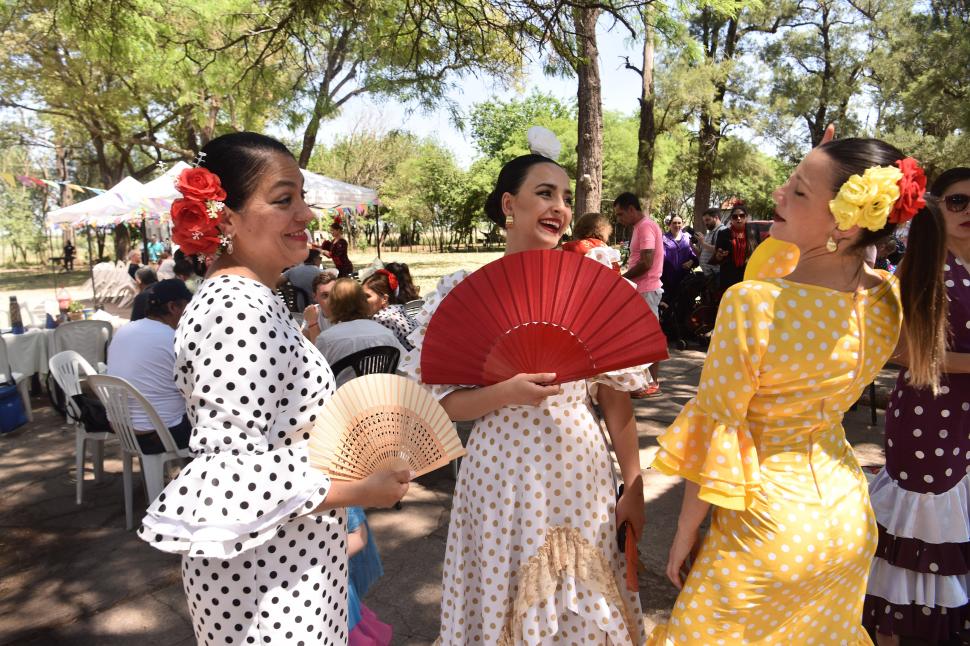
[[529, 390], [387, 486]]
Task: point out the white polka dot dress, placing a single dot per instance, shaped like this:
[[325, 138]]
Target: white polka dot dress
[[257, 566], [792, 536], [532, 555]]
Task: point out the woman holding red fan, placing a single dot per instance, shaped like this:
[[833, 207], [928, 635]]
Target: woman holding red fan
[[532, 552], [793, 532]]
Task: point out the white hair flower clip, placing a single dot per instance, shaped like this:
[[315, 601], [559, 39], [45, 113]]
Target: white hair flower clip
[[543, 141]]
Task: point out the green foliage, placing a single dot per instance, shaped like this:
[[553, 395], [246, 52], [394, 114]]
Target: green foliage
[[817, 69], [918, 70], [499, 127], [20, 225]]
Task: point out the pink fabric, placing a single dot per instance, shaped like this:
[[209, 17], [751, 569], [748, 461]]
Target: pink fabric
[[646, 236], [370, 631]]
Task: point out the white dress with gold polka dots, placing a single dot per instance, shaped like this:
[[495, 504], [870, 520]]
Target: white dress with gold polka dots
[[793, 533], [532, 555]]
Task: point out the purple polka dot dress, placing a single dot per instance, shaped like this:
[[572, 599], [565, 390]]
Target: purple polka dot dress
[[258, 566], [919, 578]]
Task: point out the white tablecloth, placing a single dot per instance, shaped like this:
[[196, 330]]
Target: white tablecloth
[[28, 353]]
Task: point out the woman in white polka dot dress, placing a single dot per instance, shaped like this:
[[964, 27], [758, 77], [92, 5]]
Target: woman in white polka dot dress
[[532, 554], [261, 534], [919, 578], [792, 534]]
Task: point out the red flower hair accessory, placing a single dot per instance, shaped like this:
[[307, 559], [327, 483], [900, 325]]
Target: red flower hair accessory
[[912, 186], [195, 215], [391, 279]]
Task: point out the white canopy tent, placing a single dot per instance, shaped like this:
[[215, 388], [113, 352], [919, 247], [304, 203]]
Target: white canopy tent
[[329, 193], [121, 200], [157, 195]]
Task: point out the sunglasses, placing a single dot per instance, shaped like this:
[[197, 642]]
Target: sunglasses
[[956, 202], [738, 216]]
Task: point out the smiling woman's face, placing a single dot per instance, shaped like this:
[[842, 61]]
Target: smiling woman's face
[[269, 230], [541, 211]]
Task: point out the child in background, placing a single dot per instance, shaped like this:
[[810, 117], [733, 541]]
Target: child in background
[[365, 568], [593, 231]]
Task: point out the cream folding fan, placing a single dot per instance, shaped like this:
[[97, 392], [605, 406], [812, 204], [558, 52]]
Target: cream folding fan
[[378, 421]]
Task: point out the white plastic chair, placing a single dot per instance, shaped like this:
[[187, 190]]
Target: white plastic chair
[[89, 339], [23, 381], [67, 368], [116, 394]]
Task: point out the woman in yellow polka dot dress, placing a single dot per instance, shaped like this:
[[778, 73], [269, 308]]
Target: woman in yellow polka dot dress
[[532, 554], [793, 534]]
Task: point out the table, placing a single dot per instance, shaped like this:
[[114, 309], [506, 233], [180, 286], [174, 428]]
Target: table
[[28, 352]]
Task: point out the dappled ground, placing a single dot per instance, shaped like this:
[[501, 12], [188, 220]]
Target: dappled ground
[[72, 575]]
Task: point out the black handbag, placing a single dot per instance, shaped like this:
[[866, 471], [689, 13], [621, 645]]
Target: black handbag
[[93, 415]]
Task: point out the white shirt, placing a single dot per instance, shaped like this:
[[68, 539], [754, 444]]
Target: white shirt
[[143, 353], [344, 339]]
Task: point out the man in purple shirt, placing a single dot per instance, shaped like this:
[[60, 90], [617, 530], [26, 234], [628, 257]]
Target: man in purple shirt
[[645, 264]]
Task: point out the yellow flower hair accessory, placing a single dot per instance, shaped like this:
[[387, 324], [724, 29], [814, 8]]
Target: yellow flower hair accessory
[[867, 200]]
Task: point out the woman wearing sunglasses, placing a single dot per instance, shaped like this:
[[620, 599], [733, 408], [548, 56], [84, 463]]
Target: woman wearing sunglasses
[[733, 247], [918, 582]]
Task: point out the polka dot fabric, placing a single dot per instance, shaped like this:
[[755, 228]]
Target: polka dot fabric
[[918, 582], [257, 566], [773, 258], [792, 536], [531, 555], [397, 321]]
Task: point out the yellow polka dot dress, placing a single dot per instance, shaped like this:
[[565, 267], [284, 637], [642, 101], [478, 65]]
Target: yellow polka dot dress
[[793, 533], [532, 555]]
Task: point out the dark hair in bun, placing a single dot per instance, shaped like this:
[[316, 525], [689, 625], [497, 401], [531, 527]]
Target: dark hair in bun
[[510, 180]]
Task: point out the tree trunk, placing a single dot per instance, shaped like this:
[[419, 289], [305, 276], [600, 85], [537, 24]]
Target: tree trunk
[[320, 109], [122, 242], [647, 135], [589, 147], [708, 139], [709, 136]]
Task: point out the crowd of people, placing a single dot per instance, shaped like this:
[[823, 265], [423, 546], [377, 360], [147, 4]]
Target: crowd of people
[[801, 547]]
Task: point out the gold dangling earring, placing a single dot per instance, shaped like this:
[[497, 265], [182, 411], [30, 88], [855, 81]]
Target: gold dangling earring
[[509, 220], [831, 245]]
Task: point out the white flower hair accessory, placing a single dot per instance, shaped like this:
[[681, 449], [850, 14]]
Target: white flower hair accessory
[[543, 141]]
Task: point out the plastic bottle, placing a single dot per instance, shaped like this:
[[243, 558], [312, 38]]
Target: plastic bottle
[[16, 323]]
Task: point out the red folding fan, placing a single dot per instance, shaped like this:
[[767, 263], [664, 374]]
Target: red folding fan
[[539, 311]]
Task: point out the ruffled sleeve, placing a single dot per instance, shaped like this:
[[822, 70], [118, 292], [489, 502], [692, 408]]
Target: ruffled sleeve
[[710, 443], [410, 365], [252, 386], [626, 380]]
